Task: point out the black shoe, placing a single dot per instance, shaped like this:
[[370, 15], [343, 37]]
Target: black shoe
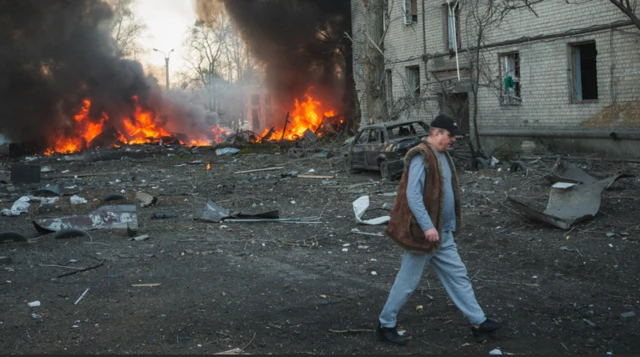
[[390, 335], [482, 331]]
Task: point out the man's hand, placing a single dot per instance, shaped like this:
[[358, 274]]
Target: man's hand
[[432, 235]]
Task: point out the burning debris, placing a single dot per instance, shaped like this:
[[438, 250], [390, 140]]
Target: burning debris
[[65, 88]]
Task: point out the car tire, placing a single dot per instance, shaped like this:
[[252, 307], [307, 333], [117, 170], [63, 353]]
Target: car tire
[[348, 166], [384, 170]]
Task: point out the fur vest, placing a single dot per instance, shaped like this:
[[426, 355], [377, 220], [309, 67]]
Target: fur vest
[[403, 227]]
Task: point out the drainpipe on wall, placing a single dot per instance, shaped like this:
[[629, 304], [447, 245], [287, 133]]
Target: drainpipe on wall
[[455, 33]]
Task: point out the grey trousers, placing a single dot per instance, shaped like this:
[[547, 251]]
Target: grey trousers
[[448, 266]]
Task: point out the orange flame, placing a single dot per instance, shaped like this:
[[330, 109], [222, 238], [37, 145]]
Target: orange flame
[[86, 131], [142, 127], [308, 114], [208, 166]]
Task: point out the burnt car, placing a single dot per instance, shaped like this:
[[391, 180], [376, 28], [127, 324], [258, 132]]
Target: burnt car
[[382, 147]]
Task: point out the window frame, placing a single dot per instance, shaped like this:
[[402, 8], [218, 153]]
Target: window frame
[[517, 80], [410, 12], [573, 78], [445, 22], [416, 91]]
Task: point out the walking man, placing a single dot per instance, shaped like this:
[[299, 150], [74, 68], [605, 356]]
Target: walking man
[[425, 215]]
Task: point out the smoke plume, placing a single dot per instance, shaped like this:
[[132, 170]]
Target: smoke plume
[[296, 40], [54, 55]]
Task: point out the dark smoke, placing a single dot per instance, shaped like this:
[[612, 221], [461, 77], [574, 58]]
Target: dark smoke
[[55, 54], [296, 40]]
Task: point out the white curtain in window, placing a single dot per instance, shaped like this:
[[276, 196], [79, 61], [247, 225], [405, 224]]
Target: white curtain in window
[[451, 25]]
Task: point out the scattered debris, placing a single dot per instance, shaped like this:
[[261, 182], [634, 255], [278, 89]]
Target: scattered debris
[[77, 200], [289, 174], [105, 217], [258, 170], [387, 206], [20, 206], [34, 303], [235, 352], [146, 199], [141, 238], [570, 250], [12, 236], [356, 230], [163, 215], [81, 296], [146, 285], [495, 352], [419, 308], [25, 173], [48, 191], [316, 177], [569, 203], [81, 270], [113, 197], [5, 260], [227, 151], [70, 233], [590, 323], [627, 314], [360, 207]]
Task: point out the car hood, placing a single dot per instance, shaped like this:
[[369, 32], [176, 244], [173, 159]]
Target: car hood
[[404, 143]]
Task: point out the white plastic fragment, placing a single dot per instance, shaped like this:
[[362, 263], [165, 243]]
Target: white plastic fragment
[[77, 200], [495, 352], [34, 303]]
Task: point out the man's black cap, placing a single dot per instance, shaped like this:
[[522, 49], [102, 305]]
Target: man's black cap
[[445, 122]]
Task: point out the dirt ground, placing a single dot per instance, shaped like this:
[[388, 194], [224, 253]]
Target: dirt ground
[[274, 288]]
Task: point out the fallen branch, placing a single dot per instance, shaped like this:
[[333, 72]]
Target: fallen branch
[[81, 270]]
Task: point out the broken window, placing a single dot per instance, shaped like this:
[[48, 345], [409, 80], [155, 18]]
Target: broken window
[[362, 139], [585, 72], [255, 99], [451, 19], [510, 70], [413, 80], [410, 11], [389, 87]]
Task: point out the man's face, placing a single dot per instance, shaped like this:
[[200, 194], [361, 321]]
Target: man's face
[[443, 140]]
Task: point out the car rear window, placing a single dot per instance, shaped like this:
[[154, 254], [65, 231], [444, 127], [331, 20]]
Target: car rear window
[[407, 130]]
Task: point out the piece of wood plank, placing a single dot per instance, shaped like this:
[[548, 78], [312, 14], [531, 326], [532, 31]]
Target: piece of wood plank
[[258, 170], [316, 176], [148, 285]]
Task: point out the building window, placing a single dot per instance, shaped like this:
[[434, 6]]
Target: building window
[[584, 72], [451, 20], [255, 99], [413, 80], [389, 87], [510, 70], [410, 11]]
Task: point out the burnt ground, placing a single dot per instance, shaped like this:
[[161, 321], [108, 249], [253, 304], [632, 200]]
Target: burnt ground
[[305, 288]]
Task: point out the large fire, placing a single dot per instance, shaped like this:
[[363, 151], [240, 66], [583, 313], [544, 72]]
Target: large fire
[[139, 129], [307, 114]]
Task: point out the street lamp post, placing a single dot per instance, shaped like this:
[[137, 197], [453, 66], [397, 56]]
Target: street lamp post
[[166, 64]]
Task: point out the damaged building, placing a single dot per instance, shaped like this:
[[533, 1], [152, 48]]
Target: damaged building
[[565, 75]]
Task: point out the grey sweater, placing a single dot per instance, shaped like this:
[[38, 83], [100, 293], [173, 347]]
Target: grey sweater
[[415, 189]]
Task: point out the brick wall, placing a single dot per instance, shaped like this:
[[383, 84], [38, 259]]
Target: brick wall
[[545, 65]]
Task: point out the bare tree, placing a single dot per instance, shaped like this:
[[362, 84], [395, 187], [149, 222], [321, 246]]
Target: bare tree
[[482, 18], [374, 61], [205, 45], [628, 7], [126, 28]]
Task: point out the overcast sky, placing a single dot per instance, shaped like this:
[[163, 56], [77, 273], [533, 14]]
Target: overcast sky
[[167, 22]]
